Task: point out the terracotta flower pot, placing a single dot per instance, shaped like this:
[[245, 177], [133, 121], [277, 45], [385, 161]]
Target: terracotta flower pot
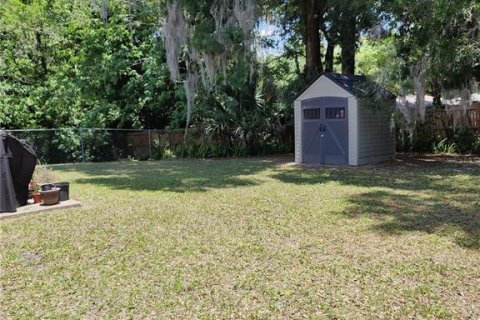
[[37, 197], [50, 197]]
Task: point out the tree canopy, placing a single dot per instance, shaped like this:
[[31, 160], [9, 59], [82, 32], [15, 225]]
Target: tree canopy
[[170, 64]]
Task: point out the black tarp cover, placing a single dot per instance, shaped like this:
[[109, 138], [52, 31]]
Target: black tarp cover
[[8, 202], [21, 164]]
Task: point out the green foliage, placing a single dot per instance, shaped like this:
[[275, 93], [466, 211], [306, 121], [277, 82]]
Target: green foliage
[[67, 144], [102, 64], [423, 139], [377, 60], [218, 150], [98, 146], [445, 33], [464, 139], [476, 144], [65, 65], [158, 149], [214, 147], [443, 146]]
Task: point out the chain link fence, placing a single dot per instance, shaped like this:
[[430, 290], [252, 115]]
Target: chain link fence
[[97, 145], [100, 145]]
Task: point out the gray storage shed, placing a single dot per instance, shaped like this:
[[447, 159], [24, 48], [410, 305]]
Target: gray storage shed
[[344, 120]]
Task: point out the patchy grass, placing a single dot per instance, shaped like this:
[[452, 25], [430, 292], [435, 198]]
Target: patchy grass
[[250, 239]]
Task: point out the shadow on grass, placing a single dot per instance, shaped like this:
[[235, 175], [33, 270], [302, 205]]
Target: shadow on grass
[[403, 175], [438, 197], [457, 217], [174, 176], [415, 195]]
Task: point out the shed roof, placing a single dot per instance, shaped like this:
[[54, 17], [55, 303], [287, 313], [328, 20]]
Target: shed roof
[[357, 85]]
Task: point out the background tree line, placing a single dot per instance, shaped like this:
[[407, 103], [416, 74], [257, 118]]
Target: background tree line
[[103, 63]]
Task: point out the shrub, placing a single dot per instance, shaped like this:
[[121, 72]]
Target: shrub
[[464, 138], [99, 146], [65, 146], [444, 146], [476, 144], [158, 149], [168, 154]]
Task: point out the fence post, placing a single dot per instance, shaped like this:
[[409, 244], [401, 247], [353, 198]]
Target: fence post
[[83, 146], [150, 144]]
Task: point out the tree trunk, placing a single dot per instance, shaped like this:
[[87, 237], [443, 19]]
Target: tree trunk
[[329, 56], [437, 92], [312, 10], [41, 49], [297, 63], [348, 41]]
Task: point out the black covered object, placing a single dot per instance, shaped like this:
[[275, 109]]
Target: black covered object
[[8, 202], [22, 165], [22, 160], [64, 193]]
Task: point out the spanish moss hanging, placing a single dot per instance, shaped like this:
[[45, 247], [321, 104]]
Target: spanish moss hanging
[[201, 64]]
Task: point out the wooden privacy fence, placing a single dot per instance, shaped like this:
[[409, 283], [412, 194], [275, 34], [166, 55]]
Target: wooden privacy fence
[[141, 143], [144, 144], [454, 118]]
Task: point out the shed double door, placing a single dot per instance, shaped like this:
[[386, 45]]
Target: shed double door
[[325, 130]]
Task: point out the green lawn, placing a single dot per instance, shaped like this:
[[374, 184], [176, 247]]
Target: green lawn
[[253, 238]]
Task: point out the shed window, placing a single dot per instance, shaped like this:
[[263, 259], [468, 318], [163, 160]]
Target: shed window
[[335, 113], [311, 113]]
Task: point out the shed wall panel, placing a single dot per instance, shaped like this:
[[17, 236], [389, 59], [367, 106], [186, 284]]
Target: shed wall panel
[[352, 131], [376, 139], [298, 131]]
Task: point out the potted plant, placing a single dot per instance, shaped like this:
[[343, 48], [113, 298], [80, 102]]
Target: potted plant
[[37, 196], [43, 178], [50, 197], [31, 185]]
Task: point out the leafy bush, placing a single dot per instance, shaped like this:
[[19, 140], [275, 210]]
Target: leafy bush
[[476, 145], [444, 146], [158, 149], [168, 154], [421, 140], [99, 146], [67, 146], [215, 150], [464, 138]]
